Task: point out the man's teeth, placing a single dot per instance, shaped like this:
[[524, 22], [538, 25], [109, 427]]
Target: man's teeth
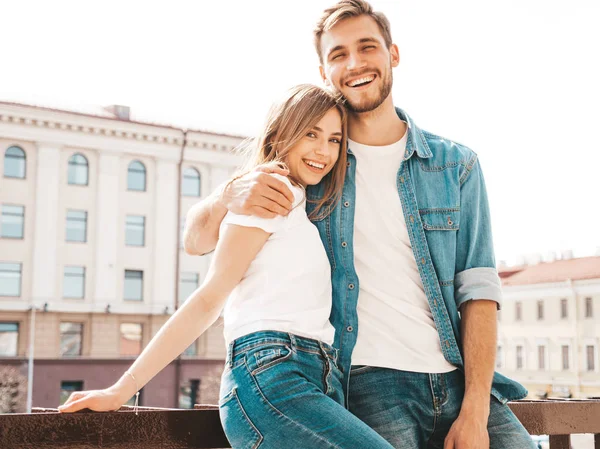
[[366, 79], [315, 164]]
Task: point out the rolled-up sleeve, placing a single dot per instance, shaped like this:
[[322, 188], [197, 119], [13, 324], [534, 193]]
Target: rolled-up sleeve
[[475, 276]]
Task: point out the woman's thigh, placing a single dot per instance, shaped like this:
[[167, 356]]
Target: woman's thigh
[[295, 402]]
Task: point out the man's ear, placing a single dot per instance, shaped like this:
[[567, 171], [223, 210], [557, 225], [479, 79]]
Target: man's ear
[[394, 55], [323, 76]]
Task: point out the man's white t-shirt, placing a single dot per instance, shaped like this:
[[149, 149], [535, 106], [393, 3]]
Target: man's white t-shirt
[[288, 285], [395, 324]]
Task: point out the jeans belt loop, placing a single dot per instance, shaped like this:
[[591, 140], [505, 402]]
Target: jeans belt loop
[[293, 342], [229, 360]]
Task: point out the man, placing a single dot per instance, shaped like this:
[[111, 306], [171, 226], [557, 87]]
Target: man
[[417, 334]]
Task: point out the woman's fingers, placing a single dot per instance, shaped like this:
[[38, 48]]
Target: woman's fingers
[[75, 396], [75, 405]]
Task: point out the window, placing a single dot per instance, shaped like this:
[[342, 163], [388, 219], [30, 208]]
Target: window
[[71, 337], [67, 387], [540, 309], [589, 309], [76, 226], [136, 176], [14, 163], [192, 350], [499, 357], [565, 357], [9, 338], [10, 279], [135, 226], [13, 221], [541, 357], [519, 357], [590, 353], [190, 183], [134, 285], [74, 282], [131, 339], [78, 170], [518, 311], [188, 282], [189, 393], [564, 311]]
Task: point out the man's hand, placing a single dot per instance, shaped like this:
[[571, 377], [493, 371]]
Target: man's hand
[[468, 432], [257, 193]]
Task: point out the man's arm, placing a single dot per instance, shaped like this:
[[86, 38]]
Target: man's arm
[[479, 334], [256, 193], [478, 295]]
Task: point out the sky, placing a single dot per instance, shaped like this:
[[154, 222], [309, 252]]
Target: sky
[[516, 81]]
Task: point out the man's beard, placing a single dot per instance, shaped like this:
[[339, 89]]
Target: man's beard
[[370, 105]]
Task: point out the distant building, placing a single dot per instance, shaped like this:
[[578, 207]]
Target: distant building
[[89, 224], [549, 328]]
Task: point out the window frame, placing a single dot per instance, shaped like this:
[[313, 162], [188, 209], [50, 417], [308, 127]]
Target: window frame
[[83, 276], [61, 334], [73, 163], [18, 326], [131, 170], [24, 158], [2, 206], [20, 290], [125, 298], [76, 219], [127, 223], [186, 170]]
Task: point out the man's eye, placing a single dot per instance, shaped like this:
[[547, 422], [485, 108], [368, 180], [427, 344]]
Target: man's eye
[[338, 56], [369, 47]]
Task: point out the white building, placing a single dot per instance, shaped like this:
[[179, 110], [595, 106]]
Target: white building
[[91, 208], [549, 328]]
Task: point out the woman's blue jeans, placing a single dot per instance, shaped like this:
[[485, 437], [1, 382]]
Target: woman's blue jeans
[[279, 391]]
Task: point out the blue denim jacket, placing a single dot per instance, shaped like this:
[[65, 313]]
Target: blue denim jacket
[[443, 196]]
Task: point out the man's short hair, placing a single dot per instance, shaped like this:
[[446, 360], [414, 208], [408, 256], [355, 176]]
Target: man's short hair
[[345, 9]]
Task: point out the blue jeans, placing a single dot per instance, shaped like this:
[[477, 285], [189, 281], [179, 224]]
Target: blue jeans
[[279, 390], [416, 410]]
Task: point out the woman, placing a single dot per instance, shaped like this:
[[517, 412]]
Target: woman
[[281, 385]]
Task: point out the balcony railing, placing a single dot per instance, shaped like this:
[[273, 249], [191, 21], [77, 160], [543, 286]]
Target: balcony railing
[[200, 428]]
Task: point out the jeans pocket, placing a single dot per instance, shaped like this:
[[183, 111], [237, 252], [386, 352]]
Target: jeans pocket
[[240, 431], [267, 357]]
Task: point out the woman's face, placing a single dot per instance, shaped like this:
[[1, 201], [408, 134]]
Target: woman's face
[[317, 152]]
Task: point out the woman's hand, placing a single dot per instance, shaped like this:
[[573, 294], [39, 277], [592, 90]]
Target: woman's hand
[[109, 399]]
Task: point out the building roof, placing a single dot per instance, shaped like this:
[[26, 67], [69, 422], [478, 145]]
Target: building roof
[[103, 113], [549, 272]]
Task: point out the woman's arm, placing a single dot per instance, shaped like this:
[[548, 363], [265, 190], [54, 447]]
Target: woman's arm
[[236, 249]]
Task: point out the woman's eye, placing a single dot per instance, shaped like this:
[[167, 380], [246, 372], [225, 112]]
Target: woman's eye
[[311, 135], [335, 140]]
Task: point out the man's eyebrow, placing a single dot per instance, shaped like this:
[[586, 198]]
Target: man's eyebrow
[[360, 41]]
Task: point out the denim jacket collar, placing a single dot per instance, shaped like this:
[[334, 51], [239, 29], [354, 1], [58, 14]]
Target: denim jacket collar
[[415, 140]]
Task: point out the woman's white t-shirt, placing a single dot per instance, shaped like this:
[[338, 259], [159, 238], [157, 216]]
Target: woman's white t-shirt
[[288, 285]]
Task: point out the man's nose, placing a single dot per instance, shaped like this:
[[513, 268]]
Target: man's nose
[[355, 61]]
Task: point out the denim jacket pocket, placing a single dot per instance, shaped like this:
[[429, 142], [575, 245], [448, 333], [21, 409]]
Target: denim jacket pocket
[[267, 357], [440, 219], [239, 429]]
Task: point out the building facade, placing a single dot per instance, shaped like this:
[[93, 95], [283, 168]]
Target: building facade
[[549, 327], [92, 207]]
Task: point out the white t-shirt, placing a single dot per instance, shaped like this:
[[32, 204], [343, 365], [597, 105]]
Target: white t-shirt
[[288, 285], [395, 325]]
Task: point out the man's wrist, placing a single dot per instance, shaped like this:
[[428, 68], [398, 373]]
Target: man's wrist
[[476, 406]]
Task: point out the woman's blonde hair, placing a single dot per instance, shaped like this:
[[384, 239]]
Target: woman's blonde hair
[[288, 121]]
